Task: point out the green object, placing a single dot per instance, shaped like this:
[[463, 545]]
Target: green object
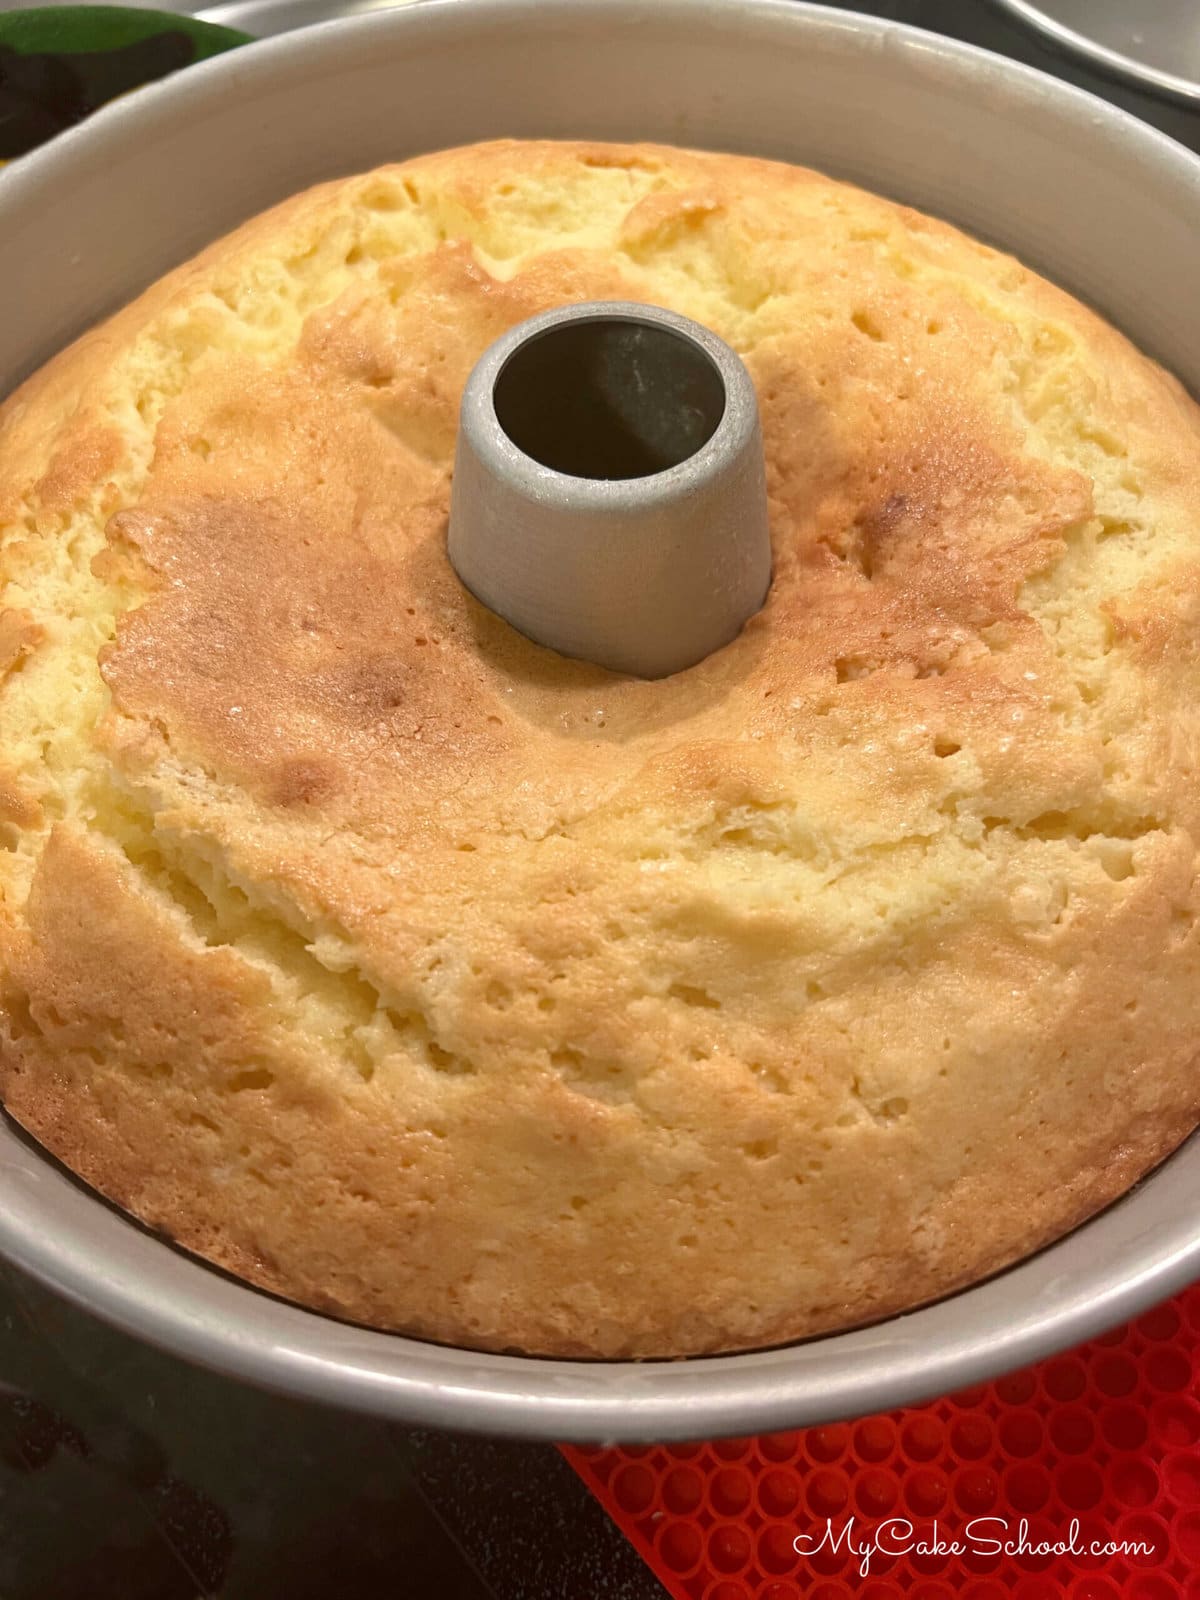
[[59, 29], [60, 63]]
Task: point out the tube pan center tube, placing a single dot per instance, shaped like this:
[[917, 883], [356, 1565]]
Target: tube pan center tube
[[609, 496]]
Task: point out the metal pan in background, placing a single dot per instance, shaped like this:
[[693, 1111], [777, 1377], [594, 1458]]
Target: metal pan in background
[[1154, 44], [95, 216], [265, 17]]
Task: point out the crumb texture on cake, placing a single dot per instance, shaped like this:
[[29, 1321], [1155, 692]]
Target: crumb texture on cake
[[419, 974]]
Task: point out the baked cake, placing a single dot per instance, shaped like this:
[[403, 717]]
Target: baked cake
[[423, 976]]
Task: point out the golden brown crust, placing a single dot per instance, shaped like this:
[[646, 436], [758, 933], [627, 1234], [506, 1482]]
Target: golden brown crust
[[419, 974]]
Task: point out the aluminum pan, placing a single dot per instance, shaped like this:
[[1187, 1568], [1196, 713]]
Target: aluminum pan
[[1152, 43], [106, 208]]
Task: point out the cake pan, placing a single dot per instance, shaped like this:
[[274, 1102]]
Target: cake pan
[[1085, 193]]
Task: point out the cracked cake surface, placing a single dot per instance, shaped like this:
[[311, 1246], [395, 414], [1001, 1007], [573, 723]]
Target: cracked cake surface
[[426, 977]]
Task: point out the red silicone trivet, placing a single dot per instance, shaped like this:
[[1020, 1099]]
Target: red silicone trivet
[[1108, 1434]]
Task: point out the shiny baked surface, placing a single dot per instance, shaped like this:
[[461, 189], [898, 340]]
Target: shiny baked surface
[[426, 977]]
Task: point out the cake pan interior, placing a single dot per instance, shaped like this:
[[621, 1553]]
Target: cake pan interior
[[1084, 193]]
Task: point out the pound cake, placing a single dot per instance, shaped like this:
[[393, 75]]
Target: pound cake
[[431, 979]]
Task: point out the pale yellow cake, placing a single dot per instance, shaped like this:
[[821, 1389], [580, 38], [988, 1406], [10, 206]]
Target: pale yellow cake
[[421, 975]]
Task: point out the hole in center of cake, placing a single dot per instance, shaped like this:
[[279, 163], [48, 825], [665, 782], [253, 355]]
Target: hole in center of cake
[[609, 398]]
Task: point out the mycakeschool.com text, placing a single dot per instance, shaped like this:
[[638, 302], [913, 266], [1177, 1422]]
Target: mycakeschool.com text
[[981, 1537]]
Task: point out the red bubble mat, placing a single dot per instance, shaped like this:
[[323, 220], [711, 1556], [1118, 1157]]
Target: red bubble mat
[[1077, 1479]]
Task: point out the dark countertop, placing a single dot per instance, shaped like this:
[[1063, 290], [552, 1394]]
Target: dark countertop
[[128, 1475]]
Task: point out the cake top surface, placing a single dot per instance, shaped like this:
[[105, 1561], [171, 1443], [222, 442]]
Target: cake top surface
[[423, 974]]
